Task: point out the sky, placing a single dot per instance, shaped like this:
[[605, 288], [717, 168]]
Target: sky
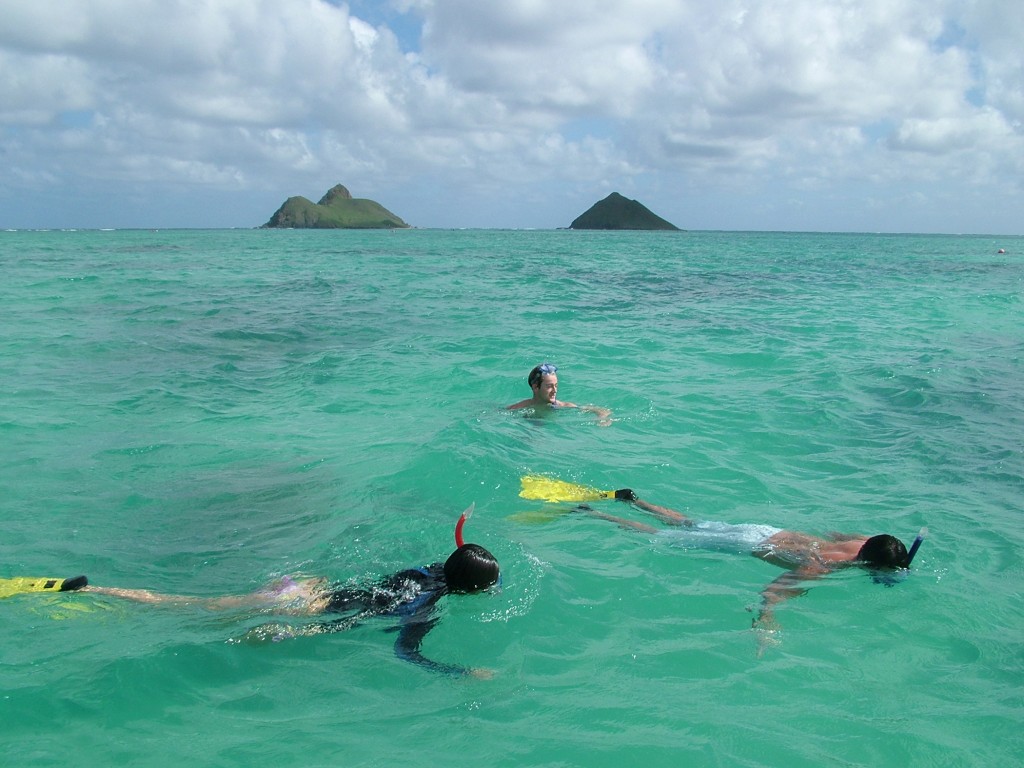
[[796, 115]]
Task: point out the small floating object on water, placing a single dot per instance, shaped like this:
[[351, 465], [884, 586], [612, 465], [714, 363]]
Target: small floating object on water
[[1001, 250]]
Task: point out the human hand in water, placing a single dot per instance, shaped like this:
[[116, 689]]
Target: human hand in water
[[480, 673], [768, 631], [625, 494]]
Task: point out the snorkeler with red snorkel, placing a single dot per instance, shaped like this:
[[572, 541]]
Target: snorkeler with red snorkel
[[410, 596]]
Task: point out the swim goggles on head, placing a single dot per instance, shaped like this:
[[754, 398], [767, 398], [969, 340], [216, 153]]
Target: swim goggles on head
[[542, 370]]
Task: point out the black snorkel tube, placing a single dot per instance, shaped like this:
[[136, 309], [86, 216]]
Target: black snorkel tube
[[892, 578], [915, 546]]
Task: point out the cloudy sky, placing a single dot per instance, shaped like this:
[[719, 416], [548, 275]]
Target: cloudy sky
[[838, 115]]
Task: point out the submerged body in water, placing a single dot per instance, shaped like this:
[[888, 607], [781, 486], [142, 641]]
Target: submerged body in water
[[410, 596], [804, 556], [543, 381]]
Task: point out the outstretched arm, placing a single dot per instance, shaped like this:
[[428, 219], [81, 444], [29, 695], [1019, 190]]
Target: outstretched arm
[[604, 415], [784, 587], [407, 647]]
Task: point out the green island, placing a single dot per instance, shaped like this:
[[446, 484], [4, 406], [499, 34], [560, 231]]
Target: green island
[[618, 212], [336, 210]]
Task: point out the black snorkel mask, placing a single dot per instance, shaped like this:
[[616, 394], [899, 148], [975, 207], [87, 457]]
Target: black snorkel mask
[[894, 577]]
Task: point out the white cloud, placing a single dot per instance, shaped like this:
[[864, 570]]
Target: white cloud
[[35, 89], [666, 99], [948, 135], [565, 57], [994, 29]]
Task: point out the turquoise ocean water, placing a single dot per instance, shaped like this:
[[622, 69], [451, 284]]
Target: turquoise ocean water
[[201, 412]]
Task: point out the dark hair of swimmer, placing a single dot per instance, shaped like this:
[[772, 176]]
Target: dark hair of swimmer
[[470, 568], [884, 551]]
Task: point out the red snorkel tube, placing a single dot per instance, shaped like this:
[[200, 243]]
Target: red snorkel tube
[[462, 521]]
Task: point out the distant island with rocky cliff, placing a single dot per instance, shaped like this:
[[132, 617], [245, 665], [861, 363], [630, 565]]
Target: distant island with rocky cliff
[[618, 212], [336, 210]]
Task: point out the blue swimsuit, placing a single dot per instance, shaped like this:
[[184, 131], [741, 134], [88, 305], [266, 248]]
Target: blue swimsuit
[[410, 596]]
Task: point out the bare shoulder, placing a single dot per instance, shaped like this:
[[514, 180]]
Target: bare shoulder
[[842, 551], [520, 404]]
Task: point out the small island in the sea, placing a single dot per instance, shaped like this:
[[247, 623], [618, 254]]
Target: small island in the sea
[[336, 210], [618, 212]]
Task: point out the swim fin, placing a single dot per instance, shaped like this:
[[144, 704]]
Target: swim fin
[[550, 489], [22, 584]]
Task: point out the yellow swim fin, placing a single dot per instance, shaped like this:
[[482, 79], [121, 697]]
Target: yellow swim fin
[[550, 489], [22, 584]]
